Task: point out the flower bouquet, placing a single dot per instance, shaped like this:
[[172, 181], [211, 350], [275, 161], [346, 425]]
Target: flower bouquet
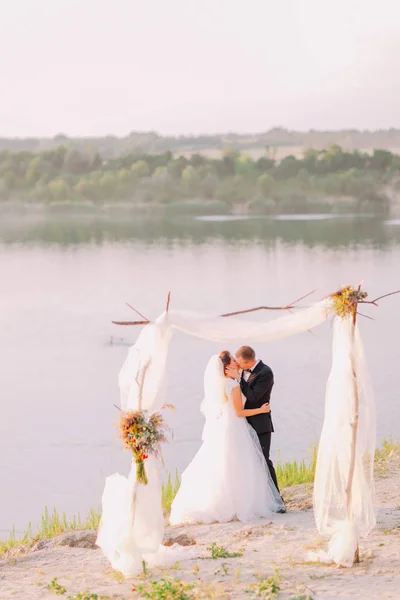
[[143, 434], [345, 301]]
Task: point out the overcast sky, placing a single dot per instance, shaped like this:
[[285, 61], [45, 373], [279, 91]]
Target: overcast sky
[[93, 67]]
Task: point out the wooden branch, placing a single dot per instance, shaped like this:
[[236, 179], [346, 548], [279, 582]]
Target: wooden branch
[[379, 298], [257, 308], [130, 322], [302, 297], [365, 316], [231, 314], [354, 431], [250, 310], [137, 312]]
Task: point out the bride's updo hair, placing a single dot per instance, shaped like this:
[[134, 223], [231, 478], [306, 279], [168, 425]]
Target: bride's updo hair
[[225, 357]]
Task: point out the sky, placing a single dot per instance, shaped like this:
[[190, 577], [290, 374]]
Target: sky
[[97, 67]]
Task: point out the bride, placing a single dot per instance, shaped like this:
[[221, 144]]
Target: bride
[[228, 477]]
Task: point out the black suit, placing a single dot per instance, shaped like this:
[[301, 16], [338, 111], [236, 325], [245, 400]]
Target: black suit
[[257, 390]]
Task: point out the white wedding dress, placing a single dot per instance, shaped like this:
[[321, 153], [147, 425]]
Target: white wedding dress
[[228, 477]]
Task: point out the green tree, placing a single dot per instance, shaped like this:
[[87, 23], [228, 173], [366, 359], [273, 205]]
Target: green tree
[[244, 165], [58, 190], [266, 184], [141, 169], [381, 160]]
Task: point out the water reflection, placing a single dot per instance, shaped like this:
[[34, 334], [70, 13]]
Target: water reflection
[[311, 230]]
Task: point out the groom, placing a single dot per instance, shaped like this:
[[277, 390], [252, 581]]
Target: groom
[[256, 383]]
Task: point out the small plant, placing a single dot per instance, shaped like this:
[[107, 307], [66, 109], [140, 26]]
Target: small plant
[[56, 588], [167, 589], [169, 491], [222, 552], [118, 576], [301, 597], [386, 455], [266, 588]]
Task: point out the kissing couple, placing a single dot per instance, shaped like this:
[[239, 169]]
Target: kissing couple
[[232, 475]]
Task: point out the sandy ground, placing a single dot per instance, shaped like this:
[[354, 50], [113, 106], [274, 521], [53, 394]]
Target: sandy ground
[[285, 543]]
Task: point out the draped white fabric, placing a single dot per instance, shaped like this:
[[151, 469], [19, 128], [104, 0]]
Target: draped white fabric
[[141, 377], [235, 329], [141, 381], [132, 523], [343, 514]]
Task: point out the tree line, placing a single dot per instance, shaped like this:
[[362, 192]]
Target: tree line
[[69, 174]]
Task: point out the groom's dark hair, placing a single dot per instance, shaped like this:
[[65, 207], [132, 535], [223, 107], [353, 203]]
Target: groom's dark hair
[[246, 353]]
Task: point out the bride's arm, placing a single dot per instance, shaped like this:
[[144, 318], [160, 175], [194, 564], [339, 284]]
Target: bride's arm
[[238, 405]]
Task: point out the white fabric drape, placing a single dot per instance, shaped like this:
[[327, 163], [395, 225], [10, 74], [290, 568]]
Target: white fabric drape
[[346, 517], [132, 523], [141, 381], [235, 329], [141, 377]]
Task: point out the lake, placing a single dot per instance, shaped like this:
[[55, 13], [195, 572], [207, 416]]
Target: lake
[[63, 280]]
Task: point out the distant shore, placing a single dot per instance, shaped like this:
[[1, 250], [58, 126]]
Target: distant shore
[[335, 205]]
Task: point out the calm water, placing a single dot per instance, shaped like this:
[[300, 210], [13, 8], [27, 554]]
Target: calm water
[[63, 281]]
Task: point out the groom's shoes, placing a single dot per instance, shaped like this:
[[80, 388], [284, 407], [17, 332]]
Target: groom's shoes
[[282, 510]]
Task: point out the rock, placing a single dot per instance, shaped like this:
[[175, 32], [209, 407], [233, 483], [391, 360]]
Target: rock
[[181, 540], [298, 497], [77, 539], [41, 545]]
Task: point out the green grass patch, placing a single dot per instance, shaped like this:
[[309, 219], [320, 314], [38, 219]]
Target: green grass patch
[[167, 589], [385, 456], [268, 589], [390, 450], [295, 473], [169, 491], [56, 588], [52, 524], [222, 552]]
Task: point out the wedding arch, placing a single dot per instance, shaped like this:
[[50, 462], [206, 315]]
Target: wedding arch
[[132, 525]]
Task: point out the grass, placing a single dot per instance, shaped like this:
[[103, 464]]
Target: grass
[[222, 552], [167, 589], [52, 524], [385, 456], [56, 588], [169, 491], [266, 588], [294, 473]]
